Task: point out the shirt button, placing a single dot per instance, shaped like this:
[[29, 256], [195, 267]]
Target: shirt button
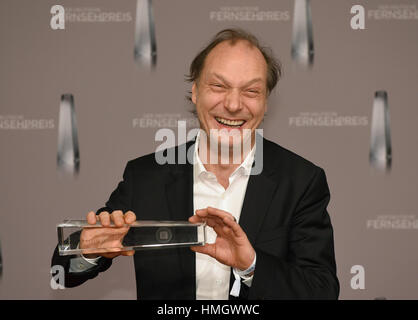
[[219, 282]]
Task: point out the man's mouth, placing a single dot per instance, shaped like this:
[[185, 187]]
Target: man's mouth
[[230, 123]]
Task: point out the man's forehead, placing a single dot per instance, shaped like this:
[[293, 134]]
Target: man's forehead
[[241, 53], [231, 48]]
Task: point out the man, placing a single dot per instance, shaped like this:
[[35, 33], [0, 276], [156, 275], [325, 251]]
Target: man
[[269, 237]]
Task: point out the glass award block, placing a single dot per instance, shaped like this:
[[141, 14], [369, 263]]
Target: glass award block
[[380, 155], [302, 39], [145, 52], [68, 154], [138, 235]]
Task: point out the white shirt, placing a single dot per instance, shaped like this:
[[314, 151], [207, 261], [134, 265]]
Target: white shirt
[[212, 277]]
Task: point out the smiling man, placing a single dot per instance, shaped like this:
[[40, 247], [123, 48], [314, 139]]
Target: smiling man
[[269, 237]]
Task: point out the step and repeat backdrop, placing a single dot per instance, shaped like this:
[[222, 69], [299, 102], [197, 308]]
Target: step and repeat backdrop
[[86, 85]]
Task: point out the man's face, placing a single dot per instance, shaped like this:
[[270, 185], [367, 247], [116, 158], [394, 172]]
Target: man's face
[[231, 92]]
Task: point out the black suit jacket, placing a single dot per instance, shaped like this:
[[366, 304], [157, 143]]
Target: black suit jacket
[[284, 216]]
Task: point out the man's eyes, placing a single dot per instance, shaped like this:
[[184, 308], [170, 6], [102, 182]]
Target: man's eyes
[[249, 92], [252, 93]]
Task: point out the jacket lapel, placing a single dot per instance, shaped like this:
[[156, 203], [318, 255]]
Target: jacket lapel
[[258, 196], [260, 191]]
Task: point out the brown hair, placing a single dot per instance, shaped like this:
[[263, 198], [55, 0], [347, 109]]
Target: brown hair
[[274, 69]]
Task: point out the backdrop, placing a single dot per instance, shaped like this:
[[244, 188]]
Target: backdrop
[[347, 102]]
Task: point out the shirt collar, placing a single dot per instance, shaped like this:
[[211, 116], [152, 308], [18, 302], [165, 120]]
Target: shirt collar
[[244, 167]]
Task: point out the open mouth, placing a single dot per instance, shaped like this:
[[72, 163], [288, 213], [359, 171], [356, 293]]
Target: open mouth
[[230, 123]]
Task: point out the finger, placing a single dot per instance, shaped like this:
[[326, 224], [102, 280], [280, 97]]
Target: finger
[[117, 218], [104, 218], [220, 213], [202, 210], [202, 213], [236, 228], [91, 217], [195, 219], [200, 216], [129, 217], [209, 249], [211, 222], [227, 231]]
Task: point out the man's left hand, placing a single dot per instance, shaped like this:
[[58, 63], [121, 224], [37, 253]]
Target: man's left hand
[[232, 246]]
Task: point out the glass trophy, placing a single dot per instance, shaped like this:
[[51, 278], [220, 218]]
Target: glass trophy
[[145, 52], [380, 155], [68, 155], [302, 39], [138, 235]]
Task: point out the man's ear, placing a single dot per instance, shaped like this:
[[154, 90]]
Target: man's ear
[[194, 92]]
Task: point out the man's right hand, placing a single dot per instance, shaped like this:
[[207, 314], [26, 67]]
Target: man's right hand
[[110, 237]]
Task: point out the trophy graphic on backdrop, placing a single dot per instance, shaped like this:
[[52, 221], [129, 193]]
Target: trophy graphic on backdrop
[[145, 52], [136, 236], [302, 39], [380, 156], [68, 155]]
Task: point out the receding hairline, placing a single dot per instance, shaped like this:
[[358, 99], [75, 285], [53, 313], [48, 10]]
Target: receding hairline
[[233, 43]]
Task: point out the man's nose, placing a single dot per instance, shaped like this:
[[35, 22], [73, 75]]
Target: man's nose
[[233, 101]]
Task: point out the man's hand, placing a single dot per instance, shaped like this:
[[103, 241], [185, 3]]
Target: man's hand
[[110, 237], [232, 246]]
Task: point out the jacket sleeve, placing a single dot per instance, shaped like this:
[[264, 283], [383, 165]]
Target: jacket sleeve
[[120, 199], [309, 269]]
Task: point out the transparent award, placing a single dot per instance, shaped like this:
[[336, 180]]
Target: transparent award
[[79, 237]]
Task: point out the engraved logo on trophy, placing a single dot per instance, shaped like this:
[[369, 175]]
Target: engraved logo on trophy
[[68, 155], [380, 156], [164, 235], [302, 39], [145, 52]]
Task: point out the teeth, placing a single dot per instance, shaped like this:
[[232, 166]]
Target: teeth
[[230, 122]]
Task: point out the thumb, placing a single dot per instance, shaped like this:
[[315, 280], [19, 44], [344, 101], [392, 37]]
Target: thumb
[[128, 253]]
